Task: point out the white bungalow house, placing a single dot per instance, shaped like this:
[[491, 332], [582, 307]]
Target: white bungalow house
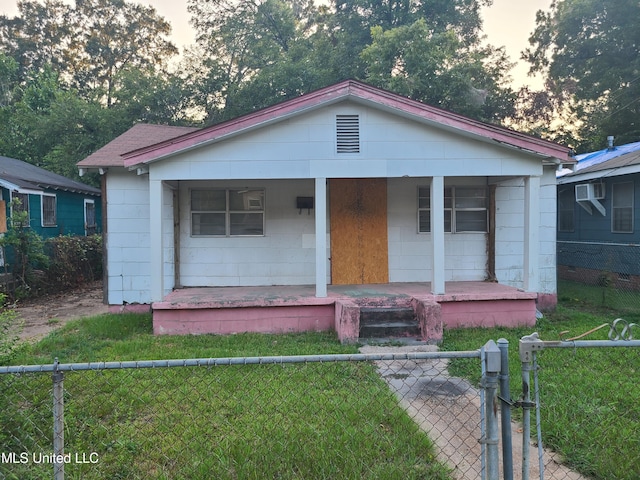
[[286, 218]]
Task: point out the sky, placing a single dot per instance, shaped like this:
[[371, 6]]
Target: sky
[[507, 23]]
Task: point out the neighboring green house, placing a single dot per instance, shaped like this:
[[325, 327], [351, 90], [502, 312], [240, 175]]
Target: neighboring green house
[[57, 205]]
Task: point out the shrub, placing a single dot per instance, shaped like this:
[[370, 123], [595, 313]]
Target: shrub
[[39, 267], [28, 250], [9, 329], [73, 261]]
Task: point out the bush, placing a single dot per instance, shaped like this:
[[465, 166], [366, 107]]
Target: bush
[[28, 251], [9, 329], [40, 267], [73, 261]]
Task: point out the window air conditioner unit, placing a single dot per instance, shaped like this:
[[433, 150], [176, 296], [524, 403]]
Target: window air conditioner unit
[[587, 196], [586, 192]]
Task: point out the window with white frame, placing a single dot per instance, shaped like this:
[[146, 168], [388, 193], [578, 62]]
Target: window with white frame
[[566, 209], [622, 208], [23, 206], [465, 209], [90, 225], [49, 218], [227, 212]]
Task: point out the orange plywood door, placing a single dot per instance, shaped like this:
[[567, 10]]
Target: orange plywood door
[[358, 223], [3, 216]]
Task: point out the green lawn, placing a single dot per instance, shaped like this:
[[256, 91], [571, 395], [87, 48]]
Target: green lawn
[[590, 398], [302, 421], [606, 298]]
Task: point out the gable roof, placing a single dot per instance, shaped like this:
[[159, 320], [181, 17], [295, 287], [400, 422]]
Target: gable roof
[[138, 136], [623, 164], [354, 91], [16, 174]]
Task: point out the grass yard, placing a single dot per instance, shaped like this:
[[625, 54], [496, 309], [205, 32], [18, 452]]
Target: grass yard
[[625, 303], [590, 398], [302, 421]]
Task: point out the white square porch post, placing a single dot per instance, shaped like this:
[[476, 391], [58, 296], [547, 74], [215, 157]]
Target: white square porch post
[[156, 240], [531, 233], [437, 235], [321, 237]]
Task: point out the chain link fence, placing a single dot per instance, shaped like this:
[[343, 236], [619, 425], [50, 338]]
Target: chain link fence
[[381, 414], [601, 274], [336, 416]]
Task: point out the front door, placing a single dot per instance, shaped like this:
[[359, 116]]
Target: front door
[[358, 223]]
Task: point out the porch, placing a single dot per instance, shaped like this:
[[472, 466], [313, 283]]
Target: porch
[[279, 309]]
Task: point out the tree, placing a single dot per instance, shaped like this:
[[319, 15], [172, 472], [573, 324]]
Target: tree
[[52, 127], [27, 248], [111, 36], [588, 50], [73, 78], [438, 69], [39, 36], [354, 20], [153, 97], [241, 39], [259, 52], [89, 44]]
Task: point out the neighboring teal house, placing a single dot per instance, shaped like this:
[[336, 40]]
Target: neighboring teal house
[[57, 205]]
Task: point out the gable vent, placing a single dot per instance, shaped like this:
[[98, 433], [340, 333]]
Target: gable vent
[[348, 133]]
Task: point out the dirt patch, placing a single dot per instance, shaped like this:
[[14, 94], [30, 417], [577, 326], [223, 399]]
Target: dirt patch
[[40, 316]]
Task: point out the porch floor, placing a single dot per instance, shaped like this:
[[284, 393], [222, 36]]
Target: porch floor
[[230, 297], [296, 308]]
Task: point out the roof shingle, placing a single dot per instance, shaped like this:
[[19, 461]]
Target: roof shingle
[[25, 175], [139, 136]]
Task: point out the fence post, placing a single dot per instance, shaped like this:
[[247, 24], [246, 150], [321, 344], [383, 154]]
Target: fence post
[[490, 385], [529, 345], [505, 410], [58, 422]]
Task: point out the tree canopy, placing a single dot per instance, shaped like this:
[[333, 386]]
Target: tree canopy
[[258, 52], [72, 77], [589, 52], [68, 75]]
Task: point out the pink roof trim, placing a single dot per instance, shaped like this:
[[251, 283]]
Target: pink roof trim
[[359, 92]]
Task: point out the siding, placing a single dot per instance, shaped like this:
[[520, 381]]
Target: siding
[[596, 228], [284, 158], [285, 255], [127, 240], [391, 146], [510, 232], [69, 214]]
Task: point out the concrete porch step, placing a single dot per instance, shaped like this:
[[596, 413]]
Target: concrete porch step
[[377, 322], [372, 315]]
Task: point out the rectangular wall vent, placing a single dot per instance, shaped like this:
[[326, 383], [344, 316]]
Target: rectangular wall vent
[[348, 133]]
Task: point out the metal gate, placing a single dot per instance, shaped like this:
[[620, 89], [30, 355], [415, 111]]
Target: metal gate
[[552, 396]]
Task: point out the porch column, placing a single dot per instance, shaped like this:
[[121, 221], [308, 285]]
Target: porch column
[[321, 237], [156, 240], [531, 233], [437, 235]]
